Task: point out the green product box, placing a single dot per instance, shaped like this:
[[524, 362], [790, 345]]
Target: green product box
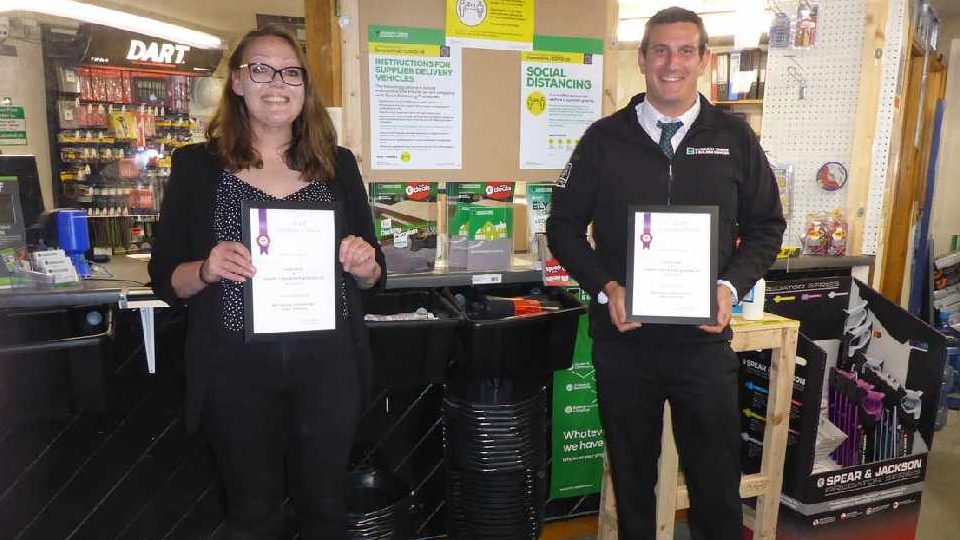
[[8, 264], [461, 198], [490, 238], [405, 222], [12, 234], [538, 210], [490, 223]]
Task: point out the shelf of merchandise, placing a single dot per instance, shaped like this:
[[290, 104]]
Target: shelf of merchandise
[[740, 102], [105, 174]]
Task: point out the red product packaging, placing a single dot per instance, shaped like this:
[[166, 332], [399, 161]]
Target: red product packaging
[[99, 79], [86, 86], [126, 87]]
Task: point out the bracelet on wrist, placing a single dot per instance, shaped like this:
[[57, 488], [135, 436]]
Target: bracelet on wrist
[[200, 273], [372, 281]]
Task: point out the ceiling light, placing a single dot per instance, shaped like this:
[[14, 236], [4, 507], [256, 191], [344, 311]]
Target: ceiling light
[[745, 30], [117, 19]]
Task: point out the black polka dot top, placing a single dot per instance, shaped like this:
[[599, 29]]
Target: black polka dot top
[[227, 225]]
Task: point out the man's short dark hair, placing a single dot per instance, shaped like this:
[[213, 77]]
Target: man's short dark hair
[[674, 15]]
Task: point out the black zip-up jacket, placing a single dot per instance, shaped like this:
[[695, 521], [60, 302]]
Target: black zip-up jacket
[[616, 164]]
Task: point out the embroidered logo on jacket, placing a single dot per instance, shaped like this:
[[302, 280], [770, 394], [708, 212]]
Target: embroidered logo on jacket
[[708, 151], [565, 175]]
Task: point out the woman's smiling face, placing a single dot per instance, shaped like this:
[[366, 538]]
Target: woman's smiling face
[[275, 104]]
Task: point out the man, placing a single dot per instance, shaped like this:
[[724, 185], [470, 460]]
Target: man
[[650, 153]]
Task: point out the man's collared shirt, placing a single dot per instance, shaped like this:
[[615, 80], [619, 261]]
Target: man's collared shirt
[[648, 116]]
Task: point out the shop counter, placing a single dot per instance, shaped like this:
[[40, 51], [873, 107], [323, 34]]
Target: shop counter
[[77, 320], [123, 281], [815, 262], [122, 276]]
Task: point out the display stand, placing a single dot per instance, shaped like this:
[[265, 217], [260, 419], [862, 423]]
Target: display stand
[[772, 332]]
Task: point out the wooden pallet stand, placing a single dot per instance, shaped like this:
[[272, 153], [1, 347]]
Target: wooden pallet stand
[[772, 332]]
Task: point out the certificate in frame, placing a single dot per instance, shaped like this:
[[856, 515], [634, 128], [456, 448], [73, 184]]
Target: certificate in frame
[[672, 265], [296, 290]]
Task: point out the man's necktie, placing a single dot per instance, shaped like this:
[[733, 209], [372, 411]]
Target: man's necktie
[[667, 131]]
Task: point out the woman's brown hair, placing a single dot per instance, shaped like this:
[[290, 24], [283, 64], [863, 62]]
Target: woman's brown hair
[[313, 147]]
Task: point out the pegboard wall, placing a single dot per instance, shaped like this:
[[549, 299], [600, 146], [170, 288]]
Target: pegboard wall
[[885, 143], [806, 133]]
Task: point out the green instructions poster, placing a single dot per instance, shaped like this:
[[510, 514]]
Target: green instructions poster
[[416, 108], [577, 438]]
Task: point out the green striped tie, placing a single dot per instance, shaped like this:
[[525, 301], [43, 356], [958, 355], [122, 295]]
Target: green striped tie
[[667, 131]]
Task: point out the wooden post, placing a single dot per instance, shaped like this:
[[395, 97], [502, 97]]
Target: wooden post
[[611, 49], [775, 434], [350, 50], [896, 155], [897, 240], [667, 473], [861, 165], [323, 49], [607, 525]]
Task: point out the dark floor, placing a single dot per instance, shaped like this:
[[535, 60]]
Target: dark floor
[[127, 470]]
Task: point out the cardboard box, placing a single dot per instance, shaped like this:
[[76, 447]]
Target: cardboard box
[[890, 514], [807, 382], [912, 353], [521, 234], [405, 222]]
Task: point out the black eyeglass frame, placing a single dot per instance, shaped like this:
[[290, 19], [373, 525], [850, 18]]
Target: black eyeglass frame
[[276, 72]]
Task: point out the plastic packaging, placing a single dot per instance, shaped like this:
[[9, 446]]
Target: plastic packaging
[[753, 302]]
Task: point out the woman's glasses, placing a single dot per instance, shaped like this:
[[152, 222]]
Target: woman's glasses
[[264, 74]]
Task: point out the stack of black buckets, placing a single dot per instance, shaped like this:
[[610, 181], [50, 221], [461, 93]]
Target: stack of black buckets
[[378, 506], [494, 434]]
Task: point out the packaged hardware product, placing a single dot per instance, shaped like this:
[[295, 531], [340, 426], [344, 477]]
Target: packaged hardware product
[[405, 222]]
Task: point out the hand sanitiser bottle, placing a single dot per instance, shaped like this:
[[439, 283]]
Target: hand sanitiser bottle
[[753, 302]]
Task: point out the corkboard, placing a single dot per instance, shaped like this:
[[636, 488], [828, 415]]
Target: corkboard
[[491, 85]]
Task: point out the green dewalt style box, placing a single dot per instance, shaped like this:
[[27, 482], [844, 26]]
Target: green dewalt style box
[[464, 250]]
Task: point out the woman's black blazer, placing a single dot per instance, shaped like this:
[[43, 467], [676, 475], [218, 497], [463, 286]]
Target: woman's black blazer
[[185, 233]]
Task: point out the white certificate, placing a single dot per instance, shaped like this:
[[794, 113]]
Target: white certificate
[[672, 266], [294, 249]]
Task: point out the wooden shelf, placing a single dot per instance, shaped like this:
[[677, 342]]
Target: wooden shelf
[[740, 102]]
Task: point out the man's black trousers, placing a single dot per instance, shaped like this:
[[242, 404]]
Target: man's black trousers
[[634, 378]]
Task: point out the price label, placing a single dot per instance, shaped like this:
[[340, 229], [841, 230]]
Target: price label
[[400, 238], [486, 279]]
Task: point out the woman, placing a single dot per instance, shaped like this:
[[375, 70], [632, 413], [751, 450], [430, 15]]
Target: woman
[[285, 407]]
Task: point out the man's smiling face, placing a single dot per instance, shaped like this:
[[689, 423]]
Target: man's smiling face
[[671, 65]]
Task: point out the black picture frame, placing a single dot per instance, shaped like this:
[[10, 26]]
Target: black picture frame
[[710, 284], [248, 240]]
